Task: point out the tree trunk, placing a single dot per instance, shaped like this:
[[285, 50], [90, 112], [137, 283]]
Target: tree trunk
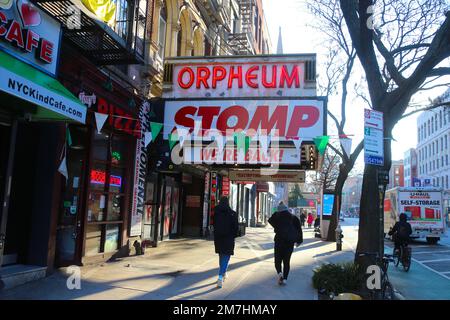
[[342, 177], [371, 218]]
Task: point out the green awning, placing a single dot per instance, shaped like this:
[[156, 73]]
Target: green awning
[[51, 99]]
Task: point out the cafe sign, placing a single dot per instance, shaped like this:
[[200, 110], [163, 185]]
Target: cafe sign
[[29, 34]]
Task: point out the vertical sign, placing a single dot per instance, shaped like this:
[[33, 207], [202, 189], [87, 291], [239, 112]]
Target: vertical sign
[[225, 186], [206, 201], [373, 138], [140, 173]]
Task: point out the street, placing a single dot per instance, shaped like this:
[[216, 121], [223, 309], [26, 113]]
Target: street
[[187, 269], [429, 276]]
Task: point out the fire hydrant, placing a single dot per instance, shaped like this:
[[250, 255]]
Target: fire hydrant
[[339, 237]]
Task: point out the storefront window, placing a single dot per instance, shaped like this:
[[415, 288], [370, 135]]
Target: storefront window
[[110, 171], [93, 240], [115, 207], [96, 207]]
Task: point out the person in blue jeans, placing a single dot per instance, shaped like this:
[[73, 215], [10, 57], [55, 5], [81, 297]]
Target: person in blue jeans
[[226, 228]]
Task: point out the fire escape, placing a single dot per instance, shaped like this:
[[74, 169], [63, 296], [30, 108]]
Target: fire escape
[[243, 41], [120, 43]]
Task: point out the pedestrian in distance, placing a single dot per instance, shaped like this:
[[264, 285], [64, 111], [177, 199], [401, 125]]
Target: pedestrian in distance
[[303, 218], [288, 232], [310, 219], [226, 229]]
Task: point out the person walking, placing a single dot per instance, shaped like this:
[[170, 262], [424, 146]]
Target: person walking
[[310, 219], [226, 228], [303, 218], [288, 232]]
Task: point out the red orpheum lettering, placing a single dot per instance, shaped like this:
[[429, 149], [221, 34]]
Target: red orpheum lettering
[[254, 76]]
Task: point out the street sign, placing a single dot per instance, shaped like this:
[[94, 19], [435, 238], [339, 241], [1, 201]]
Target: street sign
[[373, 138]]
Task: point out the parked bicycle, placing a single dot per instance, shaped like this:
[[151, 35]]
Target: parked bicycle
[[403, 254], [386, 292]]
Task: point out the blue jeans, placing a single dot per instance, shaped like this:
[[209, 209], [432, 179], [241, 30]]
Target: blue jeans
[[224, 259]]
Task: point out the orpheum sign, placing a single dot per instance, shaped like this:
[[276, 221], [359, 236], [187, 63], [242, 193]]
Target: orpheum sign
[[29, 34], [264, 95], [231, 77]]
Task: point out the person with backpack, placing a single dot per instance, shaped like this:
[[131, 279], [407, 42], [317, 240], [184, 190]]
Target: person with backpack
[[226, 227], [400, 232], [288, 232]]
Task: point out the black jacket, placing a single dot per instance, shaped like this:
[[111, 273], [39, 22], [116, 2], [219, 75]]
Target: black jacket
[[225, 229], [401, 231], [287, 227]]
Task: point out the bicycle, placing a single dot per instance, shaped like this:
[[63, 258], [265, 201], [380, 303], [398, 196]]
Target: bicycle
[[403, 255], [386, 292]]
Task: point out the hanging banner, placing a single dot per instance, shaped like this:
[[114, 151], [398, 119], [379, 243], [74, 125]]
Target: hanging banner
[[100, 120], [373, 138], [347, 146], [137, 210], [148, 138]]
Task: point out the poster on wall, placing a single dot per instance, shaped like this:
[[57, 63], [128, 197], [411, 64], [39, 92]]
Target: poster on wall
[[167, 211], [176, 201], [137, 210]]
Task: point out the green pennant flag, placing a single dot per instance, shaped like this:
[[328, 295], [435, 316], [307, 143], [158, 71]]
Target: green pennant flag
[[173, 139], [242, 141], [68, 137], [156, 129], [321, 143]]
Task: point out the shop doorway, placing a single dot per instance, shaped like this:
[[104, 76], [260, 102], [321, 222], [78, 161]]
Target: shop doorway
[[69, 232], [5, 137]]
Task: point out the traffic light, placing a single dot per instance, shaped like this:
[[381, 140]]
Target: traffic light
[[309, 157]]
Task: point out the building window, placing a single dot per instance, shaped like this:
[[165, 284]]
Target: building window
[[162, 31], [122, 18], [442, 144], [446, 182], [446, 143], [446, 159], [440, 119]]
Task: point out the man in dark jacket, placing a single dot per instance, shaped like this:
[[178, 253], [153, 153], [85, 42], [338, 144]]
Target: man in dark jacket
[[288, 232], [401, 231], [225, 231]]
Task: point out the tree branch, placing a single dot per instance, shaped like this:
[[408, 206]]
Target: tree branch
[[437, 72]]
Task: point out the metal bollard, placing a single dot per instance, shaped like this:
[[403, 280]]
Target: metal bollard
[[339, 237]]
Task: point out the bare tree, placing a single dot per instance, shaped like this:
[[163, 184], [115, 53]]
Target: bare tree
[[327, 177], [339, 69], [402, 46]]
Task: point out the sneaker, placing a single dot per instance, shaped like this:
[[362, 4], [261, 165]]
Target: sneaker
[[284, 282], [220, 283], [280, 278]]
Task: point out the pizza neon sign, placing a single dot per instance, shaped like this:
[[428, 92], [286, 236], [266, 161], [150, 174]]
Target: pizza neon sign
[[99, 177]]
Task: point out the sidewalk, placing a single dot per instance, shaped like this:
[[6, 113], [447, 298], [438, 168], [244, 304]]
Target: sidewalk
[[187, 269]]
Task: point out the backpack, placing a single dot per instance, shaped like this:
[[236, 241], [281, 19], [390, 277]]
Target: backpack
[[403, 232]]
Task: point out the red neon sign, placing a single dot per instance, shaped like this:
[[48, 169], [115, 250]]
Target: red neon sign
[[99, 177]]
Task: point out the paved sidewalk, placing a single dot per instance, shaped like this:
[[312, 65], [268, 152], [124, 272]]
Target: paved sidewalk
[[187, 269]]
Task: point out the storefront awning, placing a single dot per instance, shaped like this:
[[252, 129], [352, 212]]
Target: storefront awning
[[51, 99]]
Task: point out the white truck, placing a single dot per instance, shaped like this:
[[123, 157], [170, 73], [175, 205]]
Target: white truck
[[423, 207]]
